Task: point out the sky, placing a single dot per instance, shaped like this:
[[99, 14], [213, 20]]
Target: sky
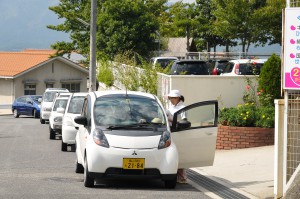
[[23, 25]]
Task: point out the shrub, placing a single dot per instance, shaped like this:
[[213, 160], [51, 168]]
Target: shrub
[[105, 74], [269, 81]]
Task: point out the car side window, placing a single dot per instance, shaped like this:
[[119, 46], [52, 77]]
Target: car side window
[[22, 100], [86, 111]]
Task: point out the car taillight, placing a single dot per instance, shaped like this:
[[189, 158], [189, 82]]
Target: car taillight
[[237, 69], [214, 71]]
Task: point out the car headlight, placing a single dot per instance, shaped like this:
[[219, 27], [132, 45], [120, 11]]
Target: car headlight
[[67, 121], [58, 119], [165, 140], [99, 138]]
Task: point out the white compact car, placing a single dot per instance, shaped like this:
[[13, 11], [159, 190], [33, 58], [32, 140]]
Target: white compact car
[[127, 135], [47, 102], [55, 118], [243, 67], [73, 109]]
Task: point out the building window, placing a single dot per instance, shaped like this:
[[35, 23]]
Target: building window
[[29, 89], [72, 87], [49, 85]]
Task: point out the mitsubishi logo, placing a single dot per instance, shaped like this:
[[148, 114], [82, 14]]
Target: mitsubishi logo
[[134, 153]]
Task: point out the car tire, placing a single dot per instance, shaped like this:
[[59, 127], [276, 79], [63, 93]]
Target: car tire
[[16, 114], [64, 146], [79, 168], [52, 133], [42, 121], [88, 181], [35, 115], [171, 184]]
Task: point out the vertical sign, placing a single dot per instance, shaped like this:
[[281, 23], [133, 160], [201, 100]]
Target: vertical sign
[[292, 48]]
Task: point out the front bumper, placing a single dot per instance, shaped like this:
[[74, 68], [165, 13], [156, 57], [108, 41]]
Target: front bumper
[[108, 162]]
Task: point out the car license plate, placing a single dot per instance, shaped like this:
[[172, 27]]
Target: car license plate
[[133, 163]]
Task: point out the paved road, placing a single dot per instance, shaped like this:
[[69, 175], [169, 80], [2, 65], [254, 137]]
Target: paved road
[[32, 166]]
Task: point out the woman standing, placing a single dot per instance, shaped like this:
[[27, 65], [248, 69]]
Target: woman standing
[[177, 100]]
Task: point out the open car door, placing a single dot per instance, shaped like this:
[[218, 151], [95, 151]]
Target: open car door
[[195, 137]]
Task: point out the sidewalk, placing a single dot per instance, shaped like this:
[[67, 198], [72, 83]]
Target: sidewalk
[[247, 171], [5, 112]]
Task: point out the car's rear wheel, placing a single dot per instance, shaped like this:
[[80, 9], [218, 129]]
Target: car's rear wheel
[[88, 181], [35, 114], [16, 114], [42, 121], [64, 146], [52, 133], [171, 184]]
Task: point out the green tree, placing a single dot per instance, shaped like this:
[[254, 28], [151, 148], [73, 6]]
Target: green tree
[[73, 12], [128, 25]]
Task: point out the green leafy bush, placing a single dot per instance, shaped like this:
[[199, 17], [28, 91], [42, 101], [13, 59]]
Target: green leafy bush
[[105, 74], [248, 115]]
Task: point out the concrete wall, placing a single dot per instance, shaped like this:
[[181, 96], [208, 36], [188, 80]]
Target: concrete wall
[[227, 90]]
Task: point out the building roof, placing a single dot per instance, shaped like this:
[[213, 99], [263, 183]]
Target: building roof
[[13, 64]]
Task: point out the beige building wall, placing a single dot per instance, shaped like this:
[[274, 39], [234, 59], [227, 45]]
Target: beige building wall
[[55, 71], [6, 91]]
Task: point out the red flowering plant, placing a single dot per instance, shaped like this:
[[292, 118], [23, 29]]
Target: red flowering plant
[[255, 112]]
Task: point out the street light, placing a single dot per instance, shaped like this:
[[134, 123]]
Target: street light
[[93, 26]]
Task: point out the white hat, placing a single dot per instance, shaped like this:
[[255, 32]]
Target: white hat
[[174, 93]]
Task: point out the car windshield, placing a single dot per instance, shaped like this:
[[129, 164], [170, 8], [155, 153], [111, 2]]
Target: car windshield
[[36, 98], [118, 110], [49, 96], [164, 62], [190, 68], [76, 104], [60, 103]]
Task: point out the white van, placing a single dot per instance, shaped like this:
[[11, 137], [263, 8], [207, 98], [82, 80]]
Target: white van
[[47, 101]]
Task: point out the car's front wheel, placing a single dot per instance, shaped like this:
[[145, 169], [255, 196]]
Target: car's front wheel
[[35, 114], [171, 184], [16, 114], [88, 181], [64, 146], [52, 133], [79, 168], [42, 121]]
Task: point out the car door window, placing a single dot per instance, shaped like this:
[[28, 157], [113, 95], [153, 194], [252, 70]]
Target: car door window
[[198, 115]]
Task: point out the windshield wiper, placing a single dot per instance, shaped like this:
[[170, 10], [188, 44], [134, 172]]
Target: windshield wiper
[[137, 125]]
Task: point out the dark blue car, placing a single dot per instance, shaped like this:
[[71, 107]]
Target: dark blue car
[[27, 105]]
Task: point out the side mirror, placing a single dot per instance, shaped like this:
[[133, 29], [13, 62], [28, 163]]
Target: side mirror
[[60, 110], [29, 102], [183, 124], [80, 120]]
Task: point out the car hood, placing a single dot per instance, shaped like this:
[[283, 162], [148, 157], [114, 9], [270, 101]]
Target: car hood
[[133, 142]]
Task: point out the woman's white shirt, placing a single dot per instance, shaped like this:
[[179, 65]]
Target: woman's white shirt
[[173, 109]]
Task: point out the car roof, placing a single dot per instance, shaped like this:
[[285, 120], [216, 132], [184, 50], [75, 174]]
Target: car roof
[[56, 89], [115, 92], [80, 94], [189, 60]]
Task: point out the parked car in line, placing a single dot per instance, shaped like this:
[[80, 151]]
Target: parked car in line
[[163, 62], [27, 105], [217, 66], [56, 115], [243, 67], [69, 127], [47, 102], [189, 67], [127, 135]]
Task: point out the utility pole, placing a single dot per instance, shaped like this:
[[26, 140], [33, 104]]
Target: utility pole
[[93, 27]]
